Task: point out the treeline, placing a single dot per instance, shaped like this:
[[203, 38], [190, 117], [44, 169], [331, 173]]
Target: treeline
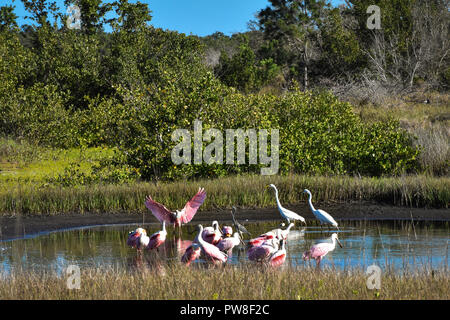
[[131, 88], [318, 45]]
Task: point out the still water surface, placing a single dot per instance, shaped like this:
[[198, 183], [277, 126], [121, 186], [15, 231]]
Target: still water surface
[[389, 244]]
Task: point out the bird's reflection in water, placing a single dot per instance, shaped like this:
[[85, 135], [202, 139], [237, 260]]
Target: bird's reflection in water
[[147, 264]]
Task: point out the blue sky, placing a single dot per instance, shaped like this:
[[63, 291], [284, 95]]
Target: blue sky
[[199, 17]]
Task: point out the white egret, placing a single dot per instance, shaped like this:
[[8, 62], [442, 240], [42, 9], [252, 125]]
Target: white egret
[[288, 215], [321, 215]]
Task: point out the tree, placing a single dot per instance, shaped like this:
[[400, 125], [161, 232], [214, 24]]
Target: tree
[[40, 10], [132, 17], [294, 23], [7, 18], [92, 14]]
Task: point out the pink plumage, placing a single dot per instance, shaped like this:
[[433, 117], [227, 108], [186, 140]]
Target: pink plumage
[[211, 252], [320, 250], [191, 254], [157, 238], [212, 234], [179, 217], [260, 253], [279, 256], [229, 243], [227, 230], [255, 242], [133, 239]]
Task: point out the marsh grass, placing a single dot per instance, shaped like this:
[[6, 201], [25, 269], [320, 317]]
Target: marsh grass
[[242, 191], [223, 283]]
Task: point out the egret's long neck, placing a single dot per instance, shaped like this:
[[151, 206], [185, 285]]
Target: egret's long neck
[[276, 197], [310, 202], [164, 226]]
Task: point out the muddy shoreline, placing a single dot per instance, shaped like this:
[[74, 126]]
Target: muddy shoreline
[[18, 227]]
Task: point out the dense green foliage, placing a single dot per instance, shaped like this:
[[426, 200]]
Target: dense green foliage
[[133, 87]]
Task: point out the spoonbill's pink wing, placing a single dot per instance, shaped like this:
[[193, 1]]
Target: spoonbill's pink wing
[[213, 252], [159, 211], [133, 239], [192, 206], [156, 240], [225, 244], [319, 250], [259, 253], [278, 258], [192, 252]]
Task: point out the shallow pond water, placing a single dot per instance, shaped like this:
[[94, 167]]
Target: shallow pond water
[[398, 245]]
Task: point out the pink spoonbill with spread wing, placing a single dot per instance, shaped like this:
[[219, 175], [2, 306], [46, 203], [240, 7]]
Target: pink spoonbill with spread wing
[[179, 217]]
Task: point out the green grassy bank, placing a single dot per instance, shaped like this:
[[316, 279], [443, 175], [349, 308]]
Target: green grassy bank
[[243, 191]]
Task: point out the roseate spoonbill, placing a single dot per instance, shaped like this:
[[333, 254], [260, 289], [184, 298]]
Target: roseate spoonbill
[[212, 234], [321, 215], [288, 215], [279, 256], [211, 251], [138, 239], [318, 251], [227, 231], [275, 233], [192, 253], [179, 217], [157, 238], [263, 252], [239, 227], [272, 234], [229, 243]]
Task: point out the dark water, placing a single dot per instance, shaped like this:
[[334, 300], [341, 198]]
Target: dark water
[[401, 246]]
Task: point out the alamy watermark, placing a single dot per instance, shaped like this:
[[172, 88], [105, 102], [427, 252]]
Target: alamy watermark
[[74, 279], [74, 19], [374, 279], [374, 20], [213, 152]]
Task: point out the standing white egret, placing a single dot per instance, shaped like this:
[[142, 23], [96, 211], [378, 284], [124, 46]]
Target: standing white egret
[[288, 215], [321, 215]]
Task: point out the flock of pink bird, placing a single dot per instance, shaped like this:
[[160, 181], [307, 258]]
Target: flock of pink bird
[[215, 243]]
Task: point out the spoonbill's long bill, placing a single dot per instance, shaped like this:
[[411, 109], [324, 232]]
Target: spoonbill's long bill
[[212, 234], [212, 253], [179, 217], [157, 238], [288, 215], [320, 250], [321, 215]]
